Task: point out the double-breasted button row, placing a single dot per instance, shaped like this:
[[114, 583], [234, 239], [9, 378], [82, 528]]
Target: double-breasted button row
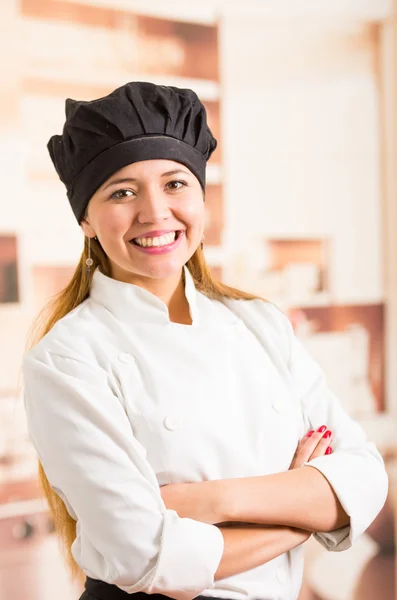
[[278, 404], [170, 423]]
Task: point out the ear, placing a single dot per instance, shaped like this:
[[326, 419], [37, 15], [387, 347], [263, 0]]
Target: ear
[[87, 228]]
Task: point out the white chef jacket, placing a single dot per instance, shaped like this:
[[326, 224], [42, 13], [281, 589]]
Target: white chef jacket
[[120, 401]]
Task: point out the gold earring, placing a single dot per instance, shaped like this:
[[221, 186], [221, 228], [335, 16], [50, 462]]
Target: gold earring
[[89, 262], [202, 242]]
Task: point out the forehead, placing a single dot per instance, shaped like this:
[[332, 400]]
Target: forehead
[[149, 169]]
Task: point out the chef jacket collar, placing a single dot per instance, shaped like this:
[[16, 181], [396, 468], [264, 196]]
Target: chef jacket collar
[[133, 303]]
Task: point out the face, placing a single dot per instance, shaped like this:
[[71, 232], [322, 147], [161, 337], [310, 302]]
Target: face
[[149, 219]]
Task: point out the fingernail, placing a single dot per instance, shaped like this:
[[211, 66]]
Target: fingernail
[[322, 428], [327, 434], [310, 433], [328, 450]]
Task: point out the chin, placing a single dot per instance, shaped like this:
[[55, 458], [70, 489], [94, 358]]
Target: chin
[[162, 272], [158, 269]]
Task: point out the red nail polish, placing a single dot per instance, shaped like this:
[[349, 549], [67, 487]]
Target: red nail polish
[[322, 428], [327, 434], [328, 450], [310, 433]]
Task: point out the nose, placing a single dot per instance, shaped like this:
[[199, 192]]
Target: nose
[[153, 206]]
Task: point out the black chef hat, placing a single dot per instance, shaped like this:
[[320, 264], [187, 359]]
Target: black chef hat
[[138, 121]]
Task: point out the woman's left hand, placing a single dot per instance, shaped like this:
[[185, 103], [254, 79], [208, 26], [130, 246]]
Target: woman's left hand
[[200, 501]]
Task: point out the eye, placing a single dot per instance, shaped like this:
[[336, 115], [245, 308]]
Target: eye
[[178, 181], [120, 194]]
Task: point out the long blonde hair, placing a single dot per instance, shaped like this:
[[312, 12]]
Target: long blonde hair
[[72, 295]]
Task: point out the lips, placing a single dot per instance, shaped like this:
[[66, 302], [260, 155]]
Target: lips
[[159, 248], [157, 233]]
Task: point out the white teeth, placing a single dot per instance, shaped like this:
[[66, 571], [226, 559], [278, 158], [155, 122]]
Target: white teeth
[[163, 240]]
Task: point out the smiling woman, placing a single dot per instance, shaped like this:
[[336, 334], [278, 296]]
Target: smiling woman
[[151, 226], [169, 411]]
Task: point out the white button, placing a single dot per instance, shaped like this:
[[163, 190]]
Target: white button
[[126, 358], [281, 576], [170, 423]]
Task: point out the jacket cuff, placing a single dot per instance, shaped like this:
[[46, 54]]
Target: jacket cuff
[[336, 540], [189, 556], [362, 499]]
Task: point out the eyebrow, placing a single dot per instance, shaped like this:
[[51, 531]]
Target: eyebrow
[[132, 179]]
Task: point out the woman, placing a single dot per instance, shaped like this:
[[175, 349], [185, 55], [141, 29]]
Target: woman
[[170, 412]]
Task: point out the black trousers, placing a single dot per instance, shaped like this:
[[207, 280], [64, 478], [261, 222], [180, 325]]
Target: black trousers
[[99, 590]]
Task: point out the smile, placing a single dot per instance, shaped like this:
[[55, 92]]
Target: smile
[[162, 240], [159, 244]]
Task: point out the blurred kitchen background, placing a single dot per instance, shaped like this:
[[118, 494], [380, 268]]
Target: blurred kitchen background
[[301, 208]]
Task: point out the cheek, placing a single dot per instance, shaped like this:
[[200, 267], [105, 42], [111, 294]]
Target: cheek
[[113, 223], [192, 213]]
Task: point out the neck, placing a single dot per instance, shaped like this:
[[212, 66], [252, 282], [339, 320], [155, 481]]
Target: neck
[[178, 306], [171, 291]]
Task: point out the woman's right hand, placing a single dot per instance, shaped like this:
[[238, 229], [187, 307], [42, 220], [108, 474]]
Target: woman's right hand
[[314, 444]]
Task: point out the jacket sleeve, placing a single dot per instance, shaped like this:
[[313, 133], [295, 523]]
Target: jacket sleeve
[[355, 469], [85, 442]]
